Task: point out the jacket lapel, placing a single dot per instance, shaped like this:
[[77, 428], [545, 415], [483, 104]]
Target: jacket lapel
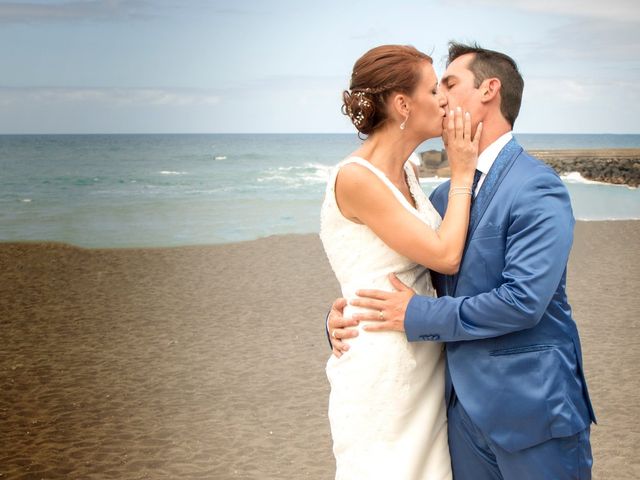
[[492, 181], [497, 172]]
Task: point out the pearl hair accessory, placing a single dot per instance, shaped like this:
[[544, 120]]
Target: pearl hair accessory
[[363, 102]]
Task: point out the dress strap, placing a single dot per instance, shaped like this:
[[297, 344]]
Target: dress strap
[[412, 180], [381, 175]]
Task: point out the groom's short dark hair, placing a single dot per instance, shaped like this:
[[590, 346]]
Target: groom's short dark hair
[[492, 64]]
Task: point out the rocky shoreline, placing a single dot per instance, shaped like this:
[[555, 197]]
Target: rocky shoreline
[[616, 166]]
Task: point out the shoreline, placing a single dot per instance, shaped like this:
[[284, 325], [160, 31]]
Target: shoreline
[[611, 166], [56, 243], [208, 361]]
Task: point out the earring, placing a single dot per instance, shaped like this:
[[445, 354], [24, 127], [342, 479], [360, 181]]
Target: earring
[[404, 124]]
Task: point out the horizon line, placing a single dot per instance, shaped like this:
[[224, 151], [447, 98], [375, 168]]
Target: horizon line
[[284, 133]]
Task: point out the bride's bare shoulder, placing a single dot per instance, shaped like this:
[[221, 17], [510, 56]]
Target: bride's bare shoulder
[[354, 174]]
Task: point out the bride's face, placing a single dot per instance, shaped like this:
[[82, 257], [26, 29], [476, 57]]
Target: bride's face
[[427, 105]]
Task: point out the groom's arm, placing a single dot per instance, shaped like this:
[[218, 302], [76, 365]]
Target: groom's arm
[[336, 324], [539, 240]]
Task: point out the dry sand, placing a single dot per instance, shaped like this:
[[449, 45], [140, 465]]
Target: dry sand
[[208, 362]]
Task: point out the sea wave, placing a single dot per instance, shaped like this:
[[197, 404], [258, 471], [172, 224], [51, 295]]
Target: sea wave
[[576, 177], [170, 172], [297, 176], [433, 180]]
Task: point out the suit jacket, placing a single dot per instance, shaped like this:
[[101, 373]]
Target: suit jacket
[[513, 351]]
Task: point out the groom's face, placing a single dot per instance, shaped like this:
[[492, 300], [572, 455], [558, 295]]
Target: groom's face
[[458, 85]]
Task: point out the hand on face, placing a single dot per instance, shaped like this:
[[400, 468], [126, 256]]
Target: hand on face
[[462, 149]]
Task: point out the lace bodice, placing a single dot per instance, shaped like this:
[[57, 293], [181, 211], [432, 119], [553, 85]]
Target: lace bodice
[[359, 258]]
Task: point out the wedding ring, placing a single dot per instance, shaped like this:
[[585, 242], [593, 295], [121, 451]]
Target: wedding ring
[[381, 314], [333, 334]]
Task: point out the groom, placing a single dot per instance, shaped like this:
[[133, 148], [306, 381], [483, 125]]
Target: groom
[[517, 400]]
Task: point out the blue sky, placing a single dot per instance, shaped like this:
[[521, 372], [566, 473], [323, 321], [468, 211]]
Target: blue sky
[[115, 66]]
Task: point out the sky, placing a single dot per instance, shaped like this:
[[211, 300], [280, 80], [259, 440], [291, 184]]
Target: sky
[[270, 66]]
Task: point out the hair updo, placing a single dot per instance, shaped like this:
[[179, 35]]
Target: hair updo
[[378, 73]]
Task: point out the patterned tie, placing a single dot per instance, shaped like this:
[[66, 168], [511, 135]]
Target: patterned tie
[[476, 179]]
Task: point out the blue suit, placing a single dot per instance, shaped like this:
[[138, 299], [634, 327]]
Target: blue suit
[[514, 361]]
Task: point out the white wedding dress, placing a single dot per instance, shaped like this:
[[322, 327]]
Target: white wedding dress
[[386, 407]]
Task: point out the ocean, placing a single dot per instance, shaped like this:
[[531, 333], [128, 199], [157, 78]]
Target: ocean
[[170, 190]]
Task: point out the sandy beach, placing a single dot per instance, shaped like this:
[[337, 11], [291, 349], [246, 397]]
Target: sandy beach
[[207, 362]]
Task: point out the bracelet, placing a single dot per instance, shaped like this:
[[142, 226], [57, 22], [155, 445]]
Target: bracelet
[[460, 190], [451, 194]]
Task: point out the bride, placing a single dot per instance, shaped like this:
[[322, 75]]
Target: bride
[[386, 405]]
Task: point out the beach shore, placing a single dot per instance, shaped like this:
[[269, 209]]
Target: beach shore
[[207, 362], [620, 166]]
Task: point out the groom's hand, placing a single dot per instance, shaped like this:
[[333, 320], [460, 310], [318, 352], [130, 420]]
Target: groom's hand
[[387, 308], [337, 326]]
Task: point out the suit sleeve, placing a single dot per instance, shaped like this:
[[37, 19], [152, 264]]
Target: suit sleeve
[[539, 239], [437, 198]]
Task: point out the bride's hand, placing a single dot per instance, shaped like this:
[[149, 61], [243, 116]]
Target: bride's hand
[[462, 149], [338, 329]]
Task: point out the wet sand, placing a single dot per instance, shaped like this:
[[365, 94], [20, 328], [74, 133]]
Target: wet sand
[[208, 362]]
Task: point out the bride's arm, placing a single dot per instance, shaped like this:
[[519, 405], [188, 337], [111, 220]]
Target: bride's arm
[[364, 198]]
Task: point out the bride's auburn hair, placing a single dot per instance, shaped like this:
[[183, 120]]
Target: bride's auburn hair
[[376, 75]]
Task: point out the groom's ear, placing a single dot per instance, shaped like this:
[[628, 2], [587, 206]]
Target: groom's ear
[[489, 89]]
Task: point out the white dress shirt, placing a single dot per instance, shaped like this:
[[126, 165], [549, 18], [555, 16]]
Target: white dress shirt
[[488, 156]]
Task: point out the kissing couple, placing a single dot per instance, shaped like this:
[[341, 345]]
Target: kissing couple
[[455, 354]]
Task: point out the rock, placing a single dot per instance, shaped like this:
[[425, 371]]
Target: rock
[[432, 162], [617, 166]]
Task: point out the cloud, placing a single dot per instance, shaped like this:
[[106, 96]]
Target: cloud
[[27, 12], [566, 90], [605, 48], [369, 33], [619, 10], [601, 42], [597, 40], [565, 104], [106, 10], [591, 97], [570, 30], [112, 97]]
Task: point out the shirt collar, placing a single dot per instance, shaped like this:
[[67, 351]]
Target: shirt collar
[[489, 155]]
